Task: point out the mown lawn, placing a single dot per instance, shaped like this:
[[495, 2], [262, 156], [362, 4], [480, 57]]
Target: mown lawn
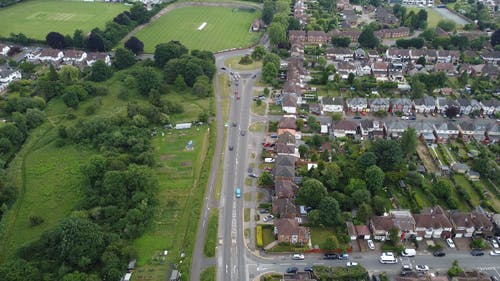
[[226, 28], [37, 18], [433, 18], [319, 235], [208, 274], [464, 183], [234, 63], [211, 235]]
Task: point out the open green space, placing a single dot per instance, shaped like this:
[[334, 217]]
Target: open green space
[[267, 234], [465, 184], [37, 18], [234, 63], [211, 234], [433, 18], [226, 28]]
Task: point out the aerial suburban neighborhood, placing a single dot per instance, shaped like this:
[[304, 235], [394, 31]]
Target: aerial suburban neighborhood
[[249, 140]]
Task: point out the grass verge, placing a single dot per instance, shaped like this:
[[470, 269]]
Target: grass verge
[[208, 274], [211, 235], [234, 63]]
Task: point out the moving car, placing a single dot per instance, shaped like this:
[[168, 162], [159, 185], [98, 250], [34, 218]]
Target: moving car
[[242, 133], [297, 256], [238, 192], [292, 269], [422, 267], [450, 242], [231, 148], [477, 253], [406, 267], [330, 256], [495, 253], [439, 253], [344, 257], [371, 245], [351, 263]]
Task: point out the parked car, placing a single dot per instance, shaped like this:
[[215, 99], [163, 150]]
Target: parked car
[[495, 253], [268, 218], [252, 175], [477, 253], [297, 256], [494, 243], [292, 269], [351, 263], [344, 257], [439, 253], [243, 132], [450, 242], [371, 245], [308, 269], [406, 267], [422, 267], [330, 256], [408, 253], [264, 211]]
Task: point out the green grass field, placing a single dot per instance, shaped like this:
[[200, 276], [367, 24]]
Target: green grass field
[[225, 29], [433, 18], [37, 18]]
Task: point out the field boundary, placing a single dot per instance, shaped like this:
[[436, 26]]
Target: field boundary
[[175, 6]]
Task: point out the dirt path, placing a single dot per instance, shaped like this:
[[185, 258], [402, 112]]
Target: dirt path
[[190, 4]]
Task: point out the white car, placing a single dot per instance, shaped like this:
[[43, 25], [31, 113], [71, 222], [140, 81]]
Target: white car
[[421, 267], [495, 253], [297, 257], [351, 263], [494, 243], [450, 242], [268, 218], [371, 245]]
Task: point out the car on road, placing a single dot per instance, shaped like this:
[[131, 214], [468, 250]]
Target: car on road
[[252, 175], [494, 243], [308, 269], [406, 267], [422, 267], [234, 124], [495, 253], [292, 269], [223, 68], [330, 256], [408, 253], [231, 148], [450, 242], [243, 133], [254, 76], [351, 263], [268, 218], [477, 253], [297, 256], [371, 245], [238, 192], [344, 257], [439, 253]]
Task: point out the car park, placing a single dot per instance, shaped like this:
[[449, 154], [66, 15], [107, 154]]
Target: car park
[[450, 243], [330, 256], [371, 245], [477, 253], [439, 253], [292, 269], [351, 263], [344, 257], [421, 267], [495, 253], [297, 256]]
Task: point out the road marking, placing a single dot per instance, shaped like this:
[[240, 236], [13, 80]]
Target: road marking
[[226, 268], [318, 263]]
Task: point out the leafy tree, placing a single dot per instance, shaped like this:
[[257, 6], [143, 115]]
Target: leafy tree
[[354, 185], [201, 87], [311, 193], [100, 71], [135, 45], [69, 74], [167, 51], [374, 177], [303, 150], [138, 13], [394, 235], [124, 58], [388, 153], [259, 52], [455, 270], [122, 19], [68, 41], [409, 142], [55, 40], [361, 196], [367, 39], [277, 33], [34, 117], [19, 269], [80, 276], [329, 211], [73, 95], [341, 41], [147, 79], [269, 72], [331, 243], [364, 212], [447, 25], [191, 72], [180, 85], [378, 204], [268, 11], [452, 111], [442, 189], [366, 160], [495, 38], [265, 179], [271, 58], [78, 39], [95, 42]]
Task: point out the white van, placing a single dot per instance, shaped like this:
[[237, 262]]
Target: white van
[[408, 252], [388, 257]]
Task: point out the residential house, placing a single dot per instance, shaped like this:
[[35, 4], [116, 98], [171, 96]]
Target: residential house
[[356, 104], [460, 168], [289, 103], [493, 131], [360, 54], [345, 68], [465, 106], [395, 128], [297, 36], [373, 55], [371, 129], [446, 67], [393, 33], [285, 189], [420, 276], [285, 160], [283, 172], [443, 104], [287, 123], [491, 56], [335, 105], [363, 232], [403, 105], [74, 56], [379, 104], [490, 70], [351, 230], [383, 16], [431, 56], [472, 175], [427, 104], [317, 37], [380, 71], [403, 221], [44, 55], [490, 106], [445, 130], [350, 17], [297, 50], [380, 227], [284, 208], [399, 55], [424, 129], [432, 223], [395, 71], [4, 50], [344, 128], [473, 130], [95, 56], [287, 149], [289, 231], [339, 54], [448, 56], [286, 138], [469, 224], [7, 75], [363, 69]]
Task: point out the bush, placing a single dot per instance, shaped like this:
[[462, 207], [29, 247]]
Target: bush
[[245, 60], [35, 220]]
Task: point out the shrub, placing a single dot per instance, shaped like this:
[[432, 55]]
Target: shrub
[[35, 220], [260, 242], [245, 60]]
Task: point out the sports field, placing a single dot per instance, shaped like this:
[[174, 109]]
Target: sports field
[[37, 18], [226, 28]]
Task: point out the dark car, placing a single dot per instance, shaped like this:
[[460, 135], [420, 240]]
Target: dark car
[[357, 117], [439, 253], [243, 132], [231, 148], [308, 269], [292, 270], [330, 256], [264, 211], [477, 253]]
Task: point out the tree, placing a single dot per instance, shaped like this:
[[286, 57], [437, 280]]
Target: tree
[[265, 179], [139, 13], [34, 117], [329, 211], [268, 11], [19, 269], [124, 58], [378, 204], [135, 45], [201, 87], [73, 95], [122, 19], [100, 71], [95, 42], [374, 177], [331, 243], [354, 185], [388, 153], [147, 79], [311, 193], [442, 189], [361, 196], [191, 72], [271, 58], [269, 72], [394, 235], [55, 40], [452, 111], [78, 39], [367, 39], [179, 83], [447, 25], [68, 41], [277, 33], [69, 74], [366, 160], [167, 51], [409, 142], [364, 212], [80, 276], [495, 38], [341, 41], [259, 52], [314, 217]]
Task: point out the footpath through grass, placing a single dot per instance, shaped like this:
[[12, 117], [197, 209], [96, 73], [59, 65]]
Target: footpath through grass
[[37, 18]]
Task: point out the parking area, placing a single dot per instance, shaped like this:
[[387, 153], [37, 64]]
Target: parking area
[[462, 244]]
